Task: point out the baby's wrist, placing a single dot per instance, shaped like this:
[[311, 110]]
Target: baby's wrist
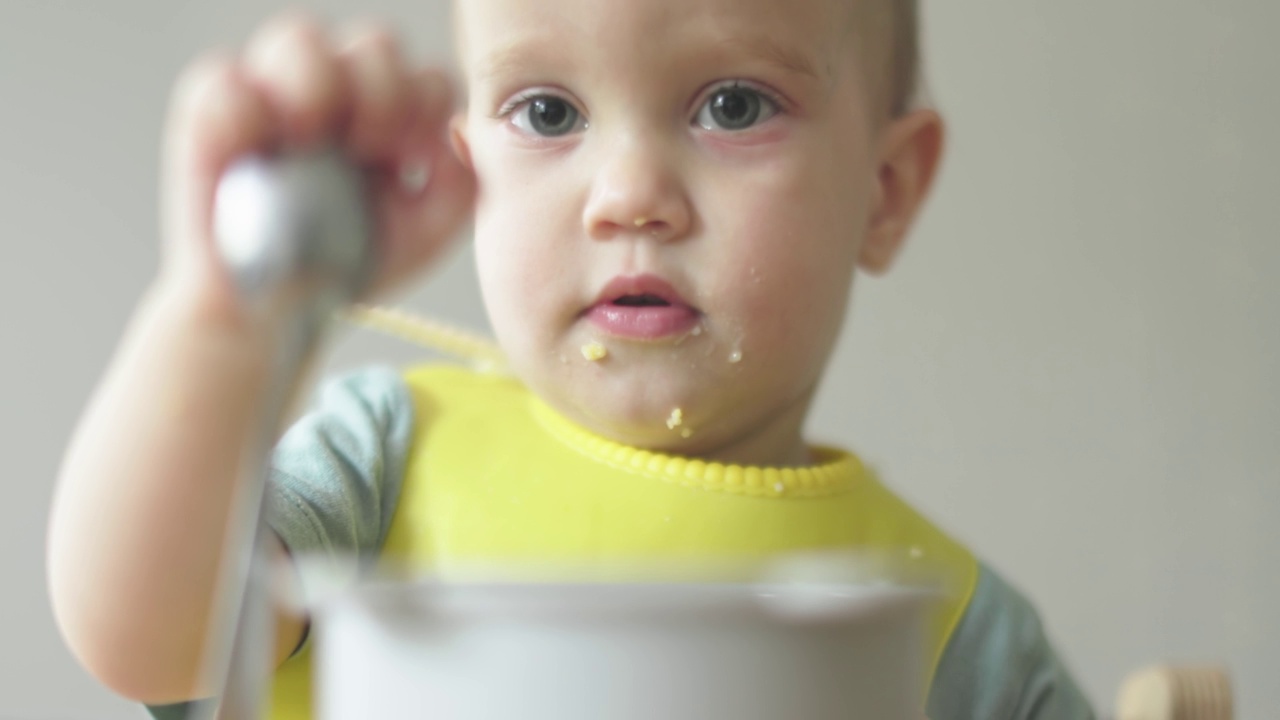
[[204, 307]]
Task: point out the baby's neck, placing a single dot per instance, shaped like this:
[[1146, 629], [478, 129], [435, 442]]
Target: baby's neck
[[778, 442]]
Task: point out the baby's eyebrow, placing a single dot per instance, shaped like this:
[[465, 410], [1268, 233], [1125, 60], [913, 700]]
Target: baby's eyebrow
[[770, 50], [510, 58], [517, 56]]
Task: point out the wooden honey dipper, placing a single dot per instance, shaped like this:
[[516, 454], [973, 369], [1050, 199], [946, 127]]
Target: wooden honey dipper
[[1176, 693]]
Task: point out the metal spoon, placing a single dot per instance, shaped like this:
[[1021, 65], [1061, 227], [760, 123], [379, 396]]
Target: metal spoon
[[296, 236]]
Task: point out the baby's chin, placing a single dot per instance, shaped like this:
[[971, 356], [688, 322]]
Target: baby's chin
[[672, 407]]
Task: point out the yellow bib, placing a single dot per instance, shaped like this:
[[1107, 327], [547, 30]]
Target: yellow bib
[[495, 476]]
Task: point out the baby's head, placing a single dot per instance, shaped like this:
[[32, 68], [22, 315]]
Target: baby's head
[[689, 186]]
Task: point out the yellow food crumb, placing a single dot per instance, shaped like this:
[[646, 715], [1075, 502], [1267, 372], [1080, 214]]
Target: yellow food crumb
[[676, 419], [595, 352]]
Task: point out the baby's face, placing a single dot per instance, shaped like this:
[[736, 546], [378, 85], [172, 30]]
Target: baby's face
[[683, 183]]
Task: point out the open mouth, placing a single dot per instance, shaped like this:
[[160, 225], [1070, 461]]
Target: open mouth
[[645, 300], [643, 307]]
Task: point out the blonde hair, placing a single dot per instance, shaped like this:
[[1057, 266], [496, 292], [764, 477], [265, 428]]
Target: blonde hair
[[904, 56], [888, 35]]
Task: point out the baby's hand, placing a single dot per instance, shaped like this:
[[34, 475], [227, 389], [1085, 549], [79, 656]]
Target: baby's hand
[[290, 90]]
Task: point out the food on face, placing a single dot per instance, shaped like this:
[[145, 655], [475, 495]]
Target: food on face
[[676, 422], [595, 352]]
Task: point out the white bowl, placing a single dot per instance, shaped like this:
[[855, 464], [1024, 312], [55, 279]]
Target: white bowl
[[490, 651]]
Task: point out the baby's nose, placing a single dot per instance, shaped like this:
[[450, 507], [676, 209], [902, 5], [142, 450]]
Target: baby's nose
[[637, 192]]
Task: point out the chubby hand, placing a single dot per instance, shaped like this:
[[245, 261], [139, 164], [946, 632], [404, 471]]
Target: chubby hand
[[294, 88]]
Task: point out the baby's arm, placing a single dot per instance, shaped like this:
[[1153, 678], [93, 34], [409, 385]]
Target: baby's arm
[[138, 518]]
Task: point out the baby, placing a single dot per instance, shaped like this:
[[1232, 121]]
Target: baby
[[671, 200]]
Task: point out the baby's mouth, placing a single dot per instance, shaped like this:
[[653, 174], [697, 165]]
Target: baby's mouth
[[643, 307], [639, 301]]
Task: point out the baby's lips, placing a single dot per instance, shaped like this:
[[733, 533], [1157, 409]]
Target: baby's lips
[[644, 322], [646, 285]]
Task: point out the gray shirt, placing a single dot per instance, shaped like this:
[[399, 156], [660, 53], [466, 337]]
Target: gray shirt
[[336, 477]]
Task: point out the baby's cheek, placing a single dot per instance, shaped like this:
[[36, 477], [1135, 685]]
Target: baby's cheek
[[790, 296]]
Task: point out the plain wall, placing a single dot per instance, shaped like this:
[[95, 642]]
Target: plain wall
[[1074, 368]]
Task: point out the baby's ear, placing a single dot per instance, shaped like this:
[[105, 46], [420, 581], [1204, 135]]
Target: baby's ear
[[910, 152], [458, 139]]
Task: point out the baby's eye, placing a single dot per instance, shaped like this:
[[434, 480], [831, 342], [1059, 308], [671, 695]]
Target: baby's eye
[[548, 116], [735, 108]]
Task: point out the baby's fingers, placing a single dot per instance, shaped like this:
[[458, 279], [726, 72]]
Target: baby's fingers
[[420, 226], [431, 191], [215, 116], [292, 63], [382, 95]]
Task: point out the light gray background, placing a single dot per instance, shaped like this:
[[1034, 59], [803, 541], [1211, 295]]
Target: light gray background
[[1075, 367]]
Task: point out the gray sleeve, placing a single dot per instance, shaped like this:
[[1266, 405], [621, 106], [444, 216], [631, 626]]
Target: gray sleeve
[[999, 664], [336, 473]]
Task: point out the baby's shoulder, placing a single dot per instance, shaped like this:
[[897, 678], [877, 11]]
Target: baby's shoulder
[[370, 386], [999, 662], [371, 400]]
